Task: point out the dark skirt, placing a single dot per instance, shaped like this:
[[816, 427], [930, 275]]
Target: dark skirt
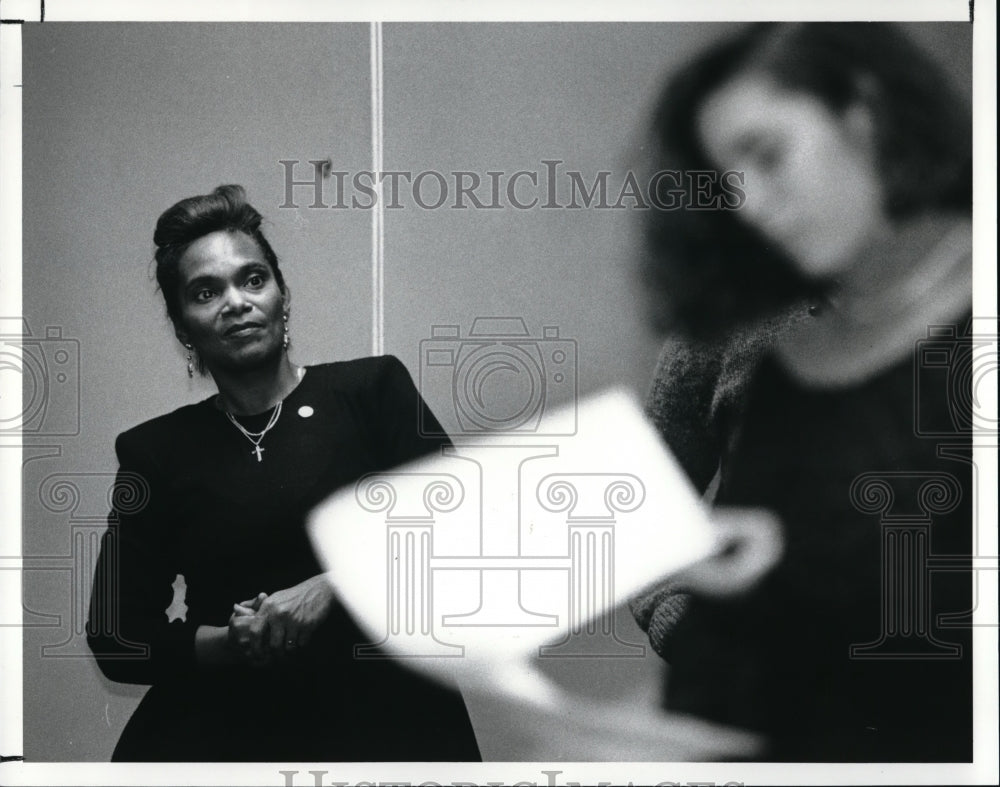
[[361, 711]]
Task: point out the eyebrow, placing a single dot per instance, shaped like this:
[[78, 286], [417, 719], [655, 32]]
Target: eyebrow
[[749, 140]]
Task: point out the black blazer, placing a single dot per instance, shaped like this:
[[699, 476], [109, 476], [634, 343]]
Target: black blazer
[[192, 498]]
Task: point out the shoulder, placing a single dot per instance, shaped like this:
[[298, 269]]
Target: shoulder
[[686, 361], [693, 377], [747, 347], [361, 375], [161, 429]]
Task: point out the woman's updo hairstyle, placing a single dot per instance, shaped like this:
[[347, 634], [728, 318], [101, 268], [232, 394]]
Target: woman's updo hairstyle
[[225, 209]]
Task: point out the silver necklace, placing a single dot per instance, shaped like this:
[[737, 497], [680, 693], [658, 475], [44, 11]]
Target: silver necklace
[[256, 437]]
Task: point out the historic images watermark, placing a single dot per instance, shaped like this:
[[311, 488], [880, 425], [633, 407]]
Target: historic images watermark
[[322, 778], [46, 367], [555, 544], [498, 378], [443, 595], [959, 361], [78, 503], [962, 361], [907, 628], [547, 186]]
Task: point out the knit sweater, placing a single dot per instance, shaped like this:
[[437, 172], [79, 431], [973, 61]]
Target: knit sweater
[[780, 659], [695, 402]]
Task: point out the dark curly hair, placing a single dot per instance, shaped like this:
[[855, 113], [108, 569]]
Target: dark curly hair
[[227, 209], [707, 271]]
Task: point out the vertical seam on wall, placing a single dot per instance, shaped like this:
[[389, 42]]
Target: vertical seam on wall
[[378, 214]]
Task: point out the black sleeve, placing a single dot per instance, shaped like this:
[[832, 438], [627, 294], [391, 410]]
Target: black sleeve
[[128, 630], [406, 428]]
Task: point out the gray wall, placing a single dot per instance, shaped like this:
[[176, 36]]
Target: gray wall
[[122, 120]]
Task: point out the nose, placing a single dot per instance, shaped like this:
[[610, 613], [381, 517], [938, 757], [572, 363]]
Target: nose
[[764, 211], [758, 207], [235, 301], [754, 209]]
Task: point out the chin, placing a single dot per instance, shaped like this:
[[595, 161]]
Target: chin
[[252, 358], [820, 263]]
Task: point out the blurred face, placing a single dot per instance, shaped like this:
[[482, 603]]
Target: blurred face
[[812, 186], [231, 307]]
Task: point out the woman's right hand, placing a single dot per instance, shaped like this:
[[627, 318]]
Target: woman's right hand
[[248, 633]]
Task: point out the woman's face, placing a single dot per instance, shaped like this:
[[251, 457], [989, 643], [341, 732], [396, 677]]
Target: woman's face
[[231, 307], [812, 185]]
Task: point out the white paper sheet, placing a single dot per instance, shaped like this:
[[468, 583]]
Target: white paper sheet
[[506, 549]]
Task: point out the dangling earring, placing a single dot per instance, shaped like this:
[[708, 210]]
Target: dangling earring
[[285, 341], [190, 360]]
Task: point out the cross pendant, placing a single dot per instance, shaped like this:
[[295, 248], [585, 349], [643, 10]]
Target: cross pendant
[[258, 450]]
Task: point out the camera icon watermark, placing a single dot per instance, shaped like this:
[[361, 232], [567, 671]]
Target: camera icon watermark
[[498, 379], [962, 361], [47, 369], [79, 503]]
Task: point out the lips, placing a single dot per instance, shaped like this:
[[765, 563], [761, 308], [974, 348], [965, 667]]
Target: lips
[[243, 328]]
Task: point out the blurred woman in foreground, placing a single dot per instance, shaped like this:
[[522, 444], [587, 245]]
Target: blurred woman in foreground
[[795, 385]]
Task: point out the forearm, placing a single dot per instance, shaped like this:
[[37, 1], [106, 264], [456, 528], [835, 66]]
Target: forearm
[[127, 630], [211, 646], [130, 652], [658, 610]]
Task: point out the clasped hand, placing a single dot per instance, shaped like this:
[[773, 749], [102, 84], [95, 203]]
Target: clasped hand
[[273, 626]]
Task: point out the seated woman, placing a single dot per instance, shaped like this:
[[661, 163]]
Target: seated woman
[[795, 384], [262, 665]]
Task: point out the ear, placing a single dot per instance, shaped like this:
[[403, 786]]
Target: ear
[[859, 122], [858, 117], [286, 299], [181, 335]]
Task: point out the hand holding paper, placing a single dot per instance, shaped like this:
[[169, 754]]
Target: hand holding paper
[[477, 565]]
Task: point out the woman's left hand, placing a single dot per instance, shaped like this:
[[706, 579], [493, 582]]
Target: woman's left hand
[[750, 545], [294, 613]]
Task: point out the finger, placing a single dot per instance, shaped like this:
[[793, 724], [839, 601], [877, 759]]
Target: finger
[[305, 635], [255, 602], [243, 641], [293, 638], [243, 610], [750, 545], [252, 637], [260, 633], [250, 649], [277, 636]]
